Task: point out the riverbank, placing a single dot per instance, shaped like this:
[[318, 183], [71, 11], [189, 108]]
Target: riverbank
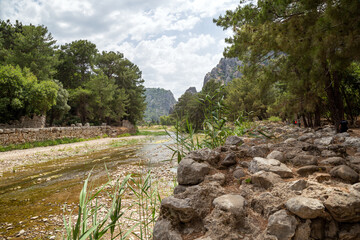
[[14, 160], [47, 181]]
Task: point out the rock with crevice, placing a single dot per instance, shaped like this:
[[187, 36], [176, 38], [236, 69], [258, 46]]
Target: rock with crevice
[[282, 225], [191, 173], [306, 208], [270, 165], [345, 173]]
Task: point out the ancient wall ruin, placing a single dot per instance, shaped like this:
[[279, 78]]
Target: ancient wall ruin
[[22, 135]]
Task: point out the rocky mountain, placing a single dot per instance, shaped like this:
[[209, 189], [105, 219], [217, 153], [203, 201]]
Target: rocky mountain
[[191, 90], [225, 71], [159, 102]]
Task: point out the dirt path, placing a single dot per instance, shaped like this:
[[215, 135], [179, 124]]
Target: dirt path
[[11, 160]]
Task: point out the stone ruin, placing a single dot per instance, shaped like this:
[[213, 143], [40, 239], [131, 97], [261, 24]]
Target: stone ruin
[[26, 122], [304, 186]]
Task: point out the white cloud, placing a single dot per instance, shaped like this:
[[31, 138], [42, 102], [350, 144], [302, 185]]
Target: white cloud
[[167, 39]]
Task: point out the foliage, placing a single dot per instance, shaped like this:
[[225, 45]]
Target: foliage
[[143, 211], [274, 119], [21, 94], [313, 41], [166, 120], [42, 143]]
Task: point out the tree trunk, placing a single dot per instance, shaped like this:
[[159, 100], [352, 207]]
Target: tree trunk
[[317, 113], [335, 101]]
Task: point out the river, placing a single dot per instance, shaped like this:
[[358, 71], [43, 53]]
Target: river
[[32, 200]]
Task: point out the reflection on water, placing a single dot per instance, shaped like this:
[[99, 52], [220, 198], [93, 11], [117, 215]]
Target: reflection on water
[[34, 194]]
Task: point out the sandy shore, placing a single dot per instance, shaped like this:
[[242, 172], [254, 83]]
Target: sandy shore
[[11, 160]]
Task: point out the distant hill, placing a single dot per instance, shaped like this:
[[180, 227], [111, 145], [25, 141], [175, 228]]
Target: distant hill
[[159, 102], [226, 70]]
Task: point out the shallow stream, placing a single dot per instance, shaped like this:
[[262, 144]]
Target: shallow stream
[[32, 198]]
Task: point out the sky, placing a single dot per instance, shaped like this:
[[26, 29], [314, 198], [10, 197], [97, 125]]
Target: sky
[[174, 42]]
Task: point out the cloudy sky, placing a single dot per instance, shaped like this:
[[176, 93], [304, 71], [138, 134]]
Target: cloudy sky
[[174, 42]]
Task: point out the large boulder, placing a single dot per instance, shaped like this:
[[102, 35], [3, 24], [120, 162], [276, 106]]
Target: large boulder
[[179, 208], [229, 160], [308, 170], [346, 173], [205, 155], [270, 165], [334, 161], [276, 155], [352, 142], [234, 140], [306, 208], [282, 225], [164, 231], [265, 179], [325, 141], [190, 172], [354, 162], [343, 207], [304, 160], [235, 204]]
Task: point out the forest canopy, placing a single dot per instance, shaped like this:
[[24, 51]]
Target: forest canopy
[[70, 83], [304, 53]]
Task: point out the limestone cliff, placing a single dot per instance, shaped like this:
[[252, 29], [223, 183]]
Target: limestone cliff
[[225, 71], [159, 102]]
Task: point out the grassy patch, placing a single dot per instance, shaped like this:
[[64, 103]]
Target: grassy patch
[[43, 143], [151, 133]]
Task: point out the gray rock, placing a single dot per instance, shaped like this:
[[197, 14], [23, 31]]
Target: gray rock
[[317, 229], [276, 155], [258, 151], [304, 160], [298, 185], [328, 153], [164, 231], [282, 225], [190, 172], [180, 208], [270, 165], [325, 141], [234, 140], [343, 207], [334, 161], [205, 155], [217, 177], [354, 162], [306, 208], [352, 142], [229, 160], [239, 173], [303, 231], [265, 179], [351, 232], [290, 141], [346, 173], [235, 204], [356, 187], [308, 170], [306, 136]]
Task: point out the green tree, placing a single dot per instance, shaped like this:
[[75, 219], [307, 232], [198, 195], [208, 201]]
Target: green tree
[[323, 33], [57, 112], [127, 76], [76, 61], [31, 47], [21, 94]]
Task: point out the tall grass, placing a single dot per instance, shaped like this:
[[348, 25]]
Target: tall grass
[[142, 212]]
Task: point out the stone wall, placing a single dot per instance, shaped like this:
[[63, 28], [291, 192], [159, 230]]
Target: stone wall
[[22, 135], [27, 122]]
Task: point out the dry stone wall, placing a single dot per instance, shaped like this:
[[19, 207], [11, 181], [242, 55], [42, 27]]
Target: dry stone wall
[[303, 185], [22, 135]]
